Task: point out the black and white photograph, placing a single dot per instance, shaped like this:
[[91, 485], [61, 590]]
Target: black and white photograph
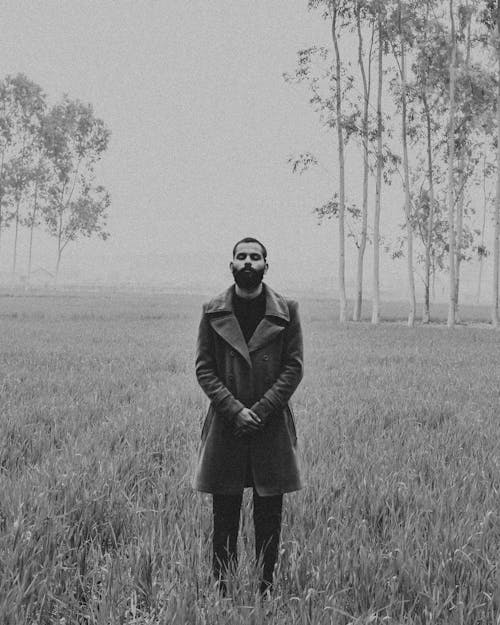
[[249, 312]]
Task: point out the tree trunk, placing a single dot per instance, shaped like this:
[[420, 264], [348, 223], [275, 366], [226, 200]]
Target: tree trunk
[[409, 227], [496, 242], [451, 158], [340, 135], [426, 313], [1, 195], [483, 226], [19, 190], [426, 317], [358, 304], [462, 183], [1, 224], [459, 239], [378, 182], [32, 227], [16, 230], [59, 248], [58, 262]]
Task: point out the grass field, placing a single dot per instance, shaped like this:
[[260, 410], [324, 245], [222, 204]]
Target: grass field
[[99, 426]]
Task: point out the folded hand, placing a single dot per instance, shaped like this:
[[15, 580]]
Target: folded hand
[[246, 422]]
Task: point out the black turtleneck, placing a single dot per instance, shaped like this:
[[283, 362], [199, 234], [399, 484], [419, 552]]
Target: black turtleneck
[[249, 312]]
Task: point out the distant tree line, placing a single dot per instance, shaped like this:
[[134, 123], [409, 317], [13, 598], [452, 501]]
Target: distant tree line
[[48, 155], [439, 61]]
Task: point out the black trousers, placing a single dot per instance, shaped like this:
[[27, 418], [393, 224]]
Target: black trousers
[[267, 524]]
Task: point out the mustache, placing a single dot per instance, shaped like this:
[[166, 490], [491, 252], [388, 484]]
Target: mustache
[[245, 270]]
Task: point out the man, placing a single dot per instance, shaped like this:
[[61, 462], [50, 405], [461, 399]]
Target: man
[[249, 362]]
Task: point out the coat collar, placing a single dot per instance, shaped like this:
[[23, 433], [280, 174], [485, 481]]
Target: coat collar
[[276, 305], [224, 322]]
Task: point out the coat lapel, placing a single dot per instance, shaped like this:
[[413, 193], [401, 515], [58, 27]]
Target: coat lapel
[[264, 333], [228, 328], [276, 317], [226, 325]]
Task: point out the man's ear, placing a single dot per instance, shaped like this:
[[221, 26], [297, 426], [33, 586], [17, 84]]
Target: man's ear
[[231, 266], [266, 267]]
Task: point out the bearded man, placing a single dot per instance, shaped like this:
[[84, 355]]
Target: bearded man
[[249, 362]]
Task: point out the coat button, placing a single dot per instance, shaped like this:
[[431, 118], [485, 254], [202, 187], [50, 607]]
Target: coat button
[[266, 357], [231, 353]]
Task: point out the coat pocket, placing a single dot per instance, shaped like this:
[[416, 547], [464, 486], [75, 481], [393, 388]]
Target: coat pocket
[[207, 423], [291, 422]]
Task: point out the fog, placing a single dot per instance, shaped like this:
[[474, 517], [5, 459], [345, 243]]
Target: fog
[[202, 126]]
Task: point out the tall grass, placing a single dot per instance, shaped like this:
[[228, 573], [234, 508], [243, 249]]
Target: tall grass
[[99, 426]]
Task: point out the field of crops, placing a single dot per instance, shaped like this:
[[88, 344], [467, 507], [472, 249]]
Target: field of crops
[[99, 426]]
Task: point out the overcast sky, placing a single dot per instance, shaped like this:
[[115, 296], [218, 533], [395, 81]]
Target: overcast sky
[[202, 126]]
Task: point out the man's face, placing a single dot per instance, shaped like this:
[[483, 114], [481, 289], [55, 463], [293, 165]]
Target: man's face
[[248, 265]]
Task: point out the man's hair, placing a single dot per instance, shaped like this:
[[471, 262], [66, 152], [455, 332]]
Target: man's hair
[[251, 240]]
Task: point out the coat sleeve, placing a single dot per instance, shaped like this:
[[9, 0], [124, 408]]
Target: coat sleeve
[[222, 400], [276, 397]]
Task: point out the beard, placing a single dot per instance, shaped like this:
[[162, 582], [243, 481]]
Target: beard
[[248, 279]]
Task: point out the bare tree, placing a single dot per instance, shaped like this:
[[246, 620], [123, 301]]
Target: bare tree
[[463, 173], [427, 67], [330, 103], [496, 238], [334, 9], [451, 160], [378, 179], [406, 167], [365, 70]]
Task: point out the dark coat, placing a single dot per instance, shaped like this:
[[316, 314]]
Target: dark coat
[[262, 376]]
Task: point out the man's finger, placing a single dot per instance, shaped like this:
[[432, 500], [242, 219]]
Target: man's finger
[[255, 417]]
